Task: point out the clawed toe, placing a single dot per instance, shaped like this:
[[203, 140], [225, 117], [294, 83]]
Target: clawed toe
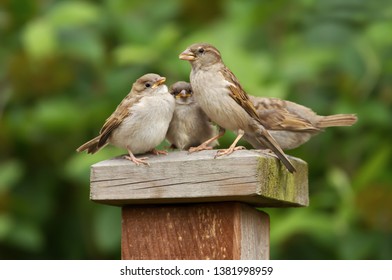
[[138, 161], [158, 152], [228, 151], [199, 148]]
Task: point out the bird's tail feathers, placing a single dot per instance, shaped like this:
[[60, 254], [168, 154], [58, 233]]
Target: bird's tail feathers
[[267, 140], [91, 146], [337, 120]]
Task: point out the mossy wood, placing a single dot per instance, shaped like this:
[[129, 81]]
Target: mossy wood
[[251, 176]]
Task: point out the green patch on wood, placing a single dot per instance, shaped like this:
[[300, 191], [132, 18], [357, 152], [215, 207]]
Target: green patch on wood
[[276, 182]]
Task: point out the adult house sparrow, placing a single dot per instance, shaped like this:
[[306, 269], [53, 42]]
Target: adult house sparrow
[[220, 95], [140, 122], [190, 126], [292, 124]]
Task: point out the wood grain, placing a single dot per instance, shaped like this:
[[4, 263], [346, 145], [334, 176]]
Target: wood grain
[[250, 176], [227, 230]]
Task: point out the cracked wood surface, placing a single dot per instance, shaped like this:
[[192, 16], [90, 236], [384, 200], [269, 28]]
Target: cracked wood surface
[[250, 176]]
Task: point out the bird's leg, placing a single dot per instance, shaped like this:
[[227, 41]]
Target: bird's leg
[[205, 145], [232, 147], [136, 160], [158, 152]]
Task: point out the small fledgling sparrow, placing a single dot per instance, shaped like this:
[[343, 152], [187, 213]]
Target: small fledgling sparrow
[[190, 126], [292, 124], [140, 122], [222, 98]]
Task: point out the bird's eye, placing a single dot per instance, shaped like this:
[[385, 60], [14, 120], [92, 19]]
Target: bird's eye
[[147, 85], [200, 50]]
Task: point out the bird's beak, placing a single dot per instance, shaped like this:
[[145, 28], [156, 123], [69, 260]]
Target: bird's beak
[[183, 94], [160, 81], [187, 55]]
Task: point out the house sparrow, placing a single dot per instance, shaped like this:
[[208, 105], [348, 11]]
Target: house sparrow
[[292, 124], [140, 122], [190, 126], [220, 95]]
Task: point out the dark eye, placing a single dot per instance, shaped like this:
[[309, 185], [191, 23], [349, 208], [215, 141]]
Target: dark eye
[[147, 85], [200, 50]]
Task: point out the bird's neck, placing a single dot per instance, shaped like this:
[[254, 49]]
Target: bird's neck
[[207, 66]]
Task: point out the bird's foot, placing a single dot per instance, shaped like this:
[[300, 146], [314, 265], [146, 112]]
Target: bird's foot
[[228, 151], [137, 161], [199, 148], [158, 152]]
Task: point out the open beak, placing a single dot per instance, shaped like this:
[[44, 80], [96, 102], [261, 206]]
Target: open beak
[[160, 81], [183, 94], [187, 55]]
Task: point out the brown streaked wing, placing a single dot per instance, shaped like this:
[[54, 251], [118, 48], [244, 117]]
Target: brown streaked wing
[[122, 111], [275, 116], [238, 93], [240, 96]]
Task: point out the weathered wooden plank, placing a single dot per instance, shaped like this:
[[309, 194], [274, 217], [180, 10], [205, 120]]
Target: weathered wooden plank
[[228, 230], [250, 176], [255, 233]]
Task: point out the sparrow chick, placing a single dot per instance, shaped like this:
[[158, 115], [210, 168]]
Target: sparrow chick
[[222, 98], [292, 124], [190, 126], [140, 122]]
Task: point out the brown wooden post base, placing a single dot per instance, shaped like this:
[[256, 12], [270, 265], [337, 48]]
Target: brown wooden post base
[[220, 230]]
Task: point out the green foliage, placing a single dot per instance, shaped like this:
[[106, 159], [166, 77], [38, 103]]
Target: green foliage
[[67, 64]]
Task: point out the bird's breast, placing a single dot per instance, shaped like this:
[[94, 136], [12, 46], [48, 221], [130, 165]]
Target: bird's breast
[[213, 96], [147, 124]]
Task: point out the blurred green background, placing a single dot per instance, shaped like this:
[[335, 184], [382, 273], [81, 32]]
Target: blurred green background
[[65, 66]]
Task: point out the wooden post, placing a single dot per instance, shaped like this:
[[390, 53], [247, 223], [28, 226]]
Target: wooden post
[[197, 207]]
